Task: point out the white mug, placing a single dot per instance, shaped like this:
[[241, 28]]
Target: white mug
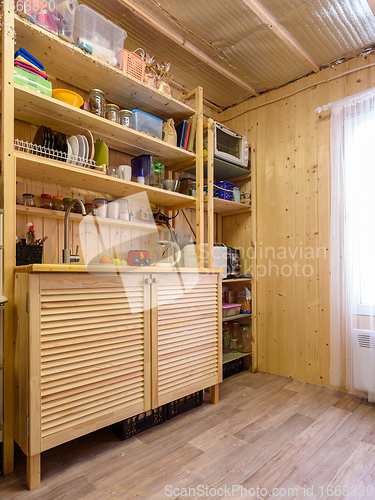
[[125, 172]]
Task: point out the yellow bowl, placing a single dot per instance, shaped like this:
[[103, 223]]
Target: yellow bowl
[[68, 96]]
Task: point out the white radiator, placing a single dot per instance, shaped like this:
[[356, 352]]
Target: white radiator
[[364, 360]]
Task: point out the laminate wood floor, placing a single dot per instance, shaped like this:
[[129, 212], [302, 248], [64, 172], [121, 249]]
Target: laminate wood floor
[[269, 437]]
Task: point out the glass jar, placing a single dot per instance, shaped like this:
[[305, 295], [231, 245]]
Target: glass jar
[[228, 326], [57, 203], [226, 340], [233, 345], [193, 189], [66, 202], [126, 118], [111, 112], [96, 102], [45, 201], [124, 209], [236, 330], [28, 200], [90, 208], [101, 207], [157, 177], [245, 338]]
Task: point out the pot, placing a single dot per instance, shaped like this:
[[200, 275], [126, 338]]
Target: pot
[[140, 258]]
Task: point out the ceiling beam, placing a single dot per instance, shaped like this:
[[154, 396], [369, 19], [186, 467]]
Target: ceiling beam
[[178, 39], [372, 5], [282, 33]]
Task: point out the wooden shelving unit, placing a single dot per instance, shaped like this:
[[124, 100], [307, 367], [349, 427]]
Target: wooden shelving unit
[[239, 280], [231, 356], [236, 316]]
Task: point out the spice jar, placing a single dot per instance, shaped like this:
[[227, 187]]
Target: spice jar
[[28, 200], [111, 112], [96, 102], [90, 208], [126, 118], [101, 204], [45, 201], [245, 339], [66, 202], [233, 345], [57, 203]]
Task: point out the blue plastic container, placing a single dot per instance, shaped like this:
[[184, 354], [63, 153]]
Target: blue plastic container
[[223, 190]]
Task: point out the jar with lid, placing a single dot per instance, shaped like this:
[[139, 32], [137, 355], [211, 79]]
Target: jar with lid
[[57, 203], [193, 189], [66, 202], [124, 209], [96, 102], [45, 201], [111, 112], [245, 338], [233, 345], [226, 340], [228, 326], [28, 200], [126, 118], [157, 176], [101, 207], [90, 208], [236, 330]]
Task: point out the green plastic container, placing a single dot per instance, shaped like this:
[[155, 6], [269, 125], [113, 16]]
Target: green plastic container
[[32, 82]]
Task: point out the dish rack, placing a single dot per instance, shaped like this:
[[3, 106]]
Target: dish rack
[[53, 154]]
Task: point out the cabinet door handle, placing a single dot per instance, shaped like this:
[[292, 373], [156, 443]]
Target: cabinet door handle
[[155, 280], [148, 281]]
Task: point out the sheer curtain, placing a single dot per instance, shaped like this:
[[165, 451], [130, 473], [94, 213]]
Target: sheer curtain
[[353, 243]]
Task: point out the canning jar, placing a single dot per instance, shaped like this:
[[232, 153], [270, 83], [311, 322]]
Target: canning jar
[[124, 209], [96, 102], [101, 204], [111, 112], [245, 339], [90, 208], [233, 345], [57, 203], [45, 201], [28, 200], [126, 118], [66, 202]]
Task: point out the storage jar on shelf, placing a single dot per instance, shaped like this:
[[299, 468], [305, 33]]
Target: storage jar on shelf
[[245, 338], [45, 201], [226, 340], [233, 345]]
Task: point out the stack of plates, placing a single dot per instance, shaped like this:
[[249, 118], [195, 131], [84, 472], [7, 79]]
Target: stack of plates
[[81, 148]]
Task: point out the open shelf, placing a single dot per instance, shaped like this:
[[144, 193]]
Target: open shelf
[[56, 172], [57, 214], [236, 316], [36, 108], [238, 280], [70, 64], [226, 207], [231, 356]]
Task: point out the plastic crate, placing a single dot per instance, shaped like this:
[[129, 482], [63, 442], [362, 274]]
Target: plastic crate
[[233, 367], [28, 254], [223, 190], [143, 122], [134, 425], [133, 65], [98, 36], [184, 404]]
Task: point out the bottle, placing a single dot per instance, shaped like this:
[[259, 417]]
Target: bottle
[[245, 338], [30, 236], [226, 339]]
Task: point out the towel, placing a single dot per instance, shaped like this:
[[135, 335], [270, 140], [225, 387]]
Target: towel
[[22, 60], [23, 52], [29, 68]]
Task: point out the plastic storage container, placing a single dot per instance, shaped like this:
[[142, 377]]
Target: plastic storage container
[[133, 65], [143, 167], [98, 36], [57, 16], [32, 81], [223, 190], [143, 122]]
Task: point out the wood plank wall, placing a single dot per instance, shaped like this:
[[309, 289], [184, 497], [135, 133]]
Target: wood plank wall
[[293, 216]]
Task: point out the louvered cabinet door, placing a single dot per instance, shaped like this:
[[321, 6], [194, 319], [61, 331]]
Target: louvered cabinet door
[[94, 353], [185, 335]]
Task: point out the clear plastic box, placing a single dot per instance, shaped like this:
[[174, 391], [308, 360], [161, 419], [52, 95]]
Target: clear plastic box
[[56, 16], [143, 122], [98, 36]]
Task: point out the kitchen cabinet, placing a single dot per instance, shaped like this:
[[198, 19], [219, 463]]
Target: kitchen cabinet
[[96, 348]]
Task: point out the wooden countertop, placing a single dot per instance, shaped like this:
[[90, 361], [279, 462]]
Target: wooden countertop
[[108, 268]]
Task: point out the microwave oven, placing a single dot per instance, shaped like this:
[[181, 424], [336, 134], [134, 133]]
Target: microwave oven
[[230, 146]]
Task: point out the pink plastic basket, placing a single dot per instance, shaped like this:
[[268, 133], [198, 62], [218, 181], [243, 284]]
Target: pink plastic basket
[[133, 65]]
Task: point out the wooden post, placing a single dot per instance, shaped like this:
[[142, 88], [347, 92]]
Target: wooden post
[[210, 191], [33, 472], [8, 202], [254, 259]]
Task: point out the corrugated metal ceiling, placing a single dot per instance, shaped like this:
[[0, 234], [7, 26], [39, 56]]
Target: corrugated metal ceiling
[[231, 34]]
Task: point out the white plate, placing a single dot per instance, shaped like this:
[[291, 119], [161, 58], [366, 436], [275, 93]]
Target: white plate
[[90, 140], [86, 149], [73, 141], [70, 153], [81, 150]]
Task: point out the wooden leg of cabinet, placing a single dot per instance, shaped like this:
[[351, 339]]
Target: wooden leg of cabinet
[[214, 390], [33, 472]]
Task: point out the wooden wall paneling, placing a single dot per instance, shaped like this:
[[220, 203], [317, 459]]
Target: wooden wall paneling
[[253, 261]]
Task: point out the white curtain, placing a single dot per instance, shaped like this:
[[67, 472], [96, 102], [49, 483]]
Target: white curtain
[[353, 243]]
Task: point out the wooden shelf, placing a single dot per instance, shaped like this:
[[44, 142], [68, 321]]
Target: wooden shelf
[[56, 172], [236, 316], [238, 280], [70, 64], [36, 108], [57, 214], [226, 207], [231, 356]]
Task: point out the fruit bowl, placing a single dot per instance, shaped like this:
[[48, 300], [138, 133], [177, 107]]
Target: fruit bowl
[[68, 96]]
